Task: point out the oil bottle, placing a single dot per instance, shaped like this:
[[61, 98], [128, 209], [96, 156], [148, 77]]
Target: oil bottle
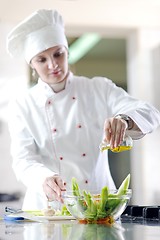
[[127, 144]]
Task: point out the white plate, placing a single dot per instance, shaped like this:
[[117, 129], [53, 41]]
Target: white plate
[[56, 218], [15, 217]]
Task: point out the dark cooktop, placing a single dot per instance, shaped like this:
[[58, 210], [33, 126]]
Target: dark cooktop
[[135, 213]]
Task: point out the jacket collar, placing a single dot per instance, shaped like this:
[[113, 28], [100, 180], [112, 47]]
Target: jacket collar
[[45, 92]]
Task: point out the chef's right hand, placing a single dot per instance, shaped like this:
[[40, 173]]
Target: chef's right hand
[[53, 187], [114, 131]]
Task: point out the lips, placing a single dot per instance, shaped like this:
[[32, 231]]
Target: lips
[[55, 72]]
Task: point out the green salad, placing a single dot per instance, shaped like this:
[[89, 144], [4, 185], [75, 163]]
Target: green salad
[[93, 207]]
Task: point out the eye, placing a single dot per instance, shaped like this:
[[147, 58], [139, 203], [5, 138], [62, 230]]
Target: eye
[[58, 54], [41, 60]]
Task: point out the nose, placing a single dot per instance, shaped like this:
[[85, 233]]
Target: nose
[[52, 64]]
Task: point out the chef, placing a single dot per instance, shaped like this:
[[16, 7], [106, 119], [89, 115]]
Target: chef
[[57, 125]]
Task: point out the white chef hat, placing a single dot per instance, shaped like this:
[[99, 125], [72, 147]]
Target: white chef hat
[[41, 30]]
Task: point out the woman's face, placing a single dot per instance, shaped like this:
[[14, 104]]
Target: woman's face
[[51, 64]]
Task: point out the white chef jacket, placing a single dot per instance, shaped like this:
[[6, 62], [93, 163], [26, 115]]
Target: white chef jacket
[[60, 133]]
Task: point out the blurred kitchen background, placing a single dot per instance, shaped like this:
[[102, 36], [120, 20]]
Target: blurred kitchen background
[[118, 39]]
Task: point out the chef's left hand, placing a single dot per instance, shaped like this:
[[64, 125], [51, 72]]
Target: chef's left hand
[[53, 187], [114, 131]]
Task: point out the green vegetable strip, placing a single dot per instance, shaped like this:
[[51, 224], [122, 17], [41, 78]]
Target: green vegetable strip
[[77, 193], [124, 186], [87, 199], [104, 197], [122, 189], [64, 211], [75, 188], [91, 211], [113, 201], [102, 204]]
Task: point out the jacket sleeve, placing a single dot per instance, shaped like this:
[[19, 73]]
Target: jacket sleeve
[[27, 162], [145, 115]]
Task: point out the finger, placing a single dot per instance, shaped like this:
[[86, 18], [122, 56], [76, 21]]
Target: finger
[[107, 131], [58, 186], [50, 194], [113, 132], [60, 183], [62, 188], [51, 189], [56, 191], [118, 135], [120, 132], [124, 128]]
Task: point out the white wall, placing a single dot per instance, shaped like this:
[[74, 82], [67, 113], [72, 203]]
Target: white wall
[[8, 182], [13, 78]]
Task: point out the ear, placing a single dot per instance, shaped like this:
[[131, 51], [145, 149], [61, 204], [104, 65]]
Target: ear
[[31, 65]]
